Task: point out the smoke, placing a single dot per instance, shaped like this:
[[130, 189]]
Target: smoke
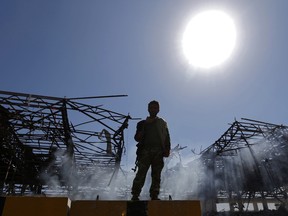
[[86, 182], [180, 180], [260, 166], [63, 177]]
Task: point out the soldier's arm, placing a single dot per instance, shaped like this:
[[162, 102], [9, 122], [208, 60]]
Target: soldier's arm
[[167, 144], [139, 131]]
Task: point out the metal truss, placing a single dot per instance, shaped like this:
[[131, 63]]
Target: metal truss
[[44, 135], [242, 134], [249, 161]]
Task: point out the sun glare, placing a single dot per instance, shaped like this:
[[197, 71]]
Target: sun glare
[[209, 39]]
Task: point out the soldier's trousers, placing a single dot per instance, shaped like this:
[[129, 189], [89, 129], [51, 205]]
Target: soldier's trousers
[[145, 160]]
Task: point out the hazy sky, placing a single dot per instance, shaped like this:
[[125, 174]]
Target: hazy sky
[[79, 48]]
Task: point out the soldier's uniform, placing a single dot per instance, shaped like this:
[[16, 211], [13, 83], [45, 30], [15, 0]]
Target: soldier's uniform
[[154, 145]]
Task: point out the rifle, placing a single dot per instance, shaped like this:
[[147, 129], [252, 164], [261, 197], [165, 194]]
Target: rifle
[[139, 145]]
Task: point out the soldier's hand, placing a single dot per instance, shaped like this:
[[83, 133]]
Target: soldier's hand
[[139, 136]]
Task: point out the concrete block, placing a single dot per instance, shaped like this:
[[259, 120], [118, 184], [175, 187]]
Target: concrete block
[[98, 208], [174, 208], [36, 206]]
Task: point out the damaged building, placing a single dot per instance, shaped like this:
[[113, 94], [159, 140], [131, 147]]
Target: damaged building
[[43, 152], [54, 146]]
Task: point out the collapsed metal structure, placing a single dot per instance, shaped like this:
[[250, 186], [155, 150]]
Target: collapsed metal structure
[[43, 136], [64, 138], [247, 164]]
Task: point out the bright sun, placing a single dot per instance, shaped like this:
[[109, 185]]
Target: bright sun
[[209, 39]]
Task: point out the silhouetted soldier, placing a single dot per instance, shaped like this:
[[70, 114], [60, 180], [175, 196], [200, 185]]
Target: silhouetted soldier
[[153, 140]]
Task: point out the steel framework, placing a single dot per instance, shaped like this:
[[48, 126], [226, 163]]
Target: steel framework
[[47, 136], [248, 162]]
